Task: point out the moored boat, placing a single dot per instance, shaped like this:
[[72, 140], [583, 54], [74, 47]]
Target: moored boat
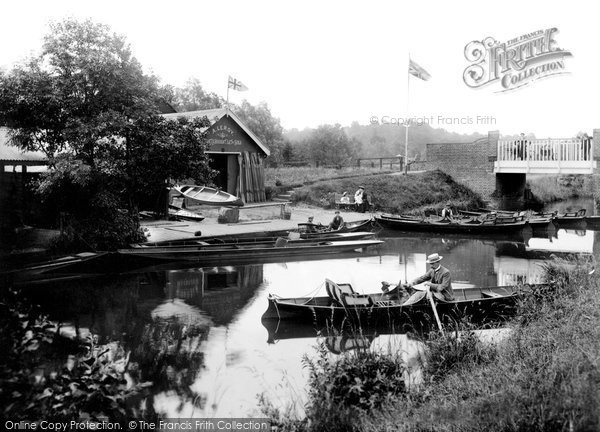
[[209, 196], [504, 216], [472, 225], [243, 252], [254, 240], [310, 229]]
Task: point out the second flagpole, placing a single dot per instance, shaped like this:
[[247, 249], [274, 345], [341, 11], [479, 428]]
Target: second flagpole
[[407, 120]]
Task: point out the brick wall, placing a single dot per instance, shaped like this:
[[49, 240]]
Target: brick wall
[[471, 164]]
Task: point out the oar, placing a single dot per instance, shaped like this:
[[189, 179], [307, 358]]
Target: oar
[[437, 318], [431, 302]]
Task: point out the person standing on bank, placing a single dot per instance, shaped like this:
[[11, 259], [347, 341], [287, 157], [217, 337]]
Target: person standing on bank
[[358, 198], [437, 278], [365, 201]]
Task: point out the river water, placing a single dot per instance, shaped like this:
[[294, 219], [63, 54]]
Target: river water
[[197, 333]]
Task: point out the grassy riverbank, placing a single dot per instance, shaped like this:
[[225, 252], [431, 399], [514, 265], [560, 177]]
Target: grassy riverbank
[[298, 176], [544, 377], [549, 189], [396, 193]]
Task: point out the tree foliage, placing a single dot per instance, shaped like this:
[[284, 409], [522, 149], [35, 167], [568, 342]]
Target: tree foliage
[[86, 102], [193, 97], [260, 120], [267, 127], [330, 145]]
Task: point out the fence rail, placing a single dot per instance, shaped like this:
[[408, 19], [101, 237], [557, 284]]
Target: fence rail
[[552, 149]]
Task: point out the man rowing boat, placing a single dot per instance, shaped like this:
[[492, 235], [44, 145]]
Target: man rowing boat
[[437, 279]]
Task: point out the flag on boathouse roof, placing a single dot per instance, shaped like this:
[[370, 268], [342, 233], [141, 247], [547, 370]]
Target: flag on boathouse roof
[[236, 84]]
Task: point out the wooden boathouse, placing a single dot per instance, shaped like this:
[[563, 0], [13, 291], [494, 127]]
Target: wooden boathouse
[[235, 152]]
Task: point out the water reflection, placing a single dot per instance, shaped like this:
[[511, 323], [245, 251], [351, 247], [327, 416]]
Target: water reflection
[[196, 333]]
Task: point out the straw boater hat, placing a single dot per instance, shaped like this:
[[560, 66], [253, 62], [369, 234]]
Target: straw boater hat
[[433, 258]]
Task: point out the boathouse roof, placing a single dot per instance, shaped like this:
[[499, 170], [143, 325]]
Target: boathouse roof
[[10, 154], [214, 116]]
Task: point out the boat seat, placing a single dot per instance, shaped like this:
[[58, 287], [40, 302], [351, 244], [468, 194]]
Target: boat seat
[[490, 294], [348, 300], [337, 291]]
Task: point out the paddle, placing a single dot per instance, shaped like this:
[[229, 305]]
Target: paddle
[[416, 297], [437, 318]]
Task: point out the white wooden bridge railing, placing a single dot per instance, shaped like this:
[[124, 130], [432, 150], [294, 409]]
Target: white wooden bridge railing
[[551, 149]]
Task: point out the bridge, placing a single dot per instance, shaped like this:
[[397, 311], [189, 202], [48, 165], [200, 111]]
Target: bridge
[[499, 167], [546, 156]]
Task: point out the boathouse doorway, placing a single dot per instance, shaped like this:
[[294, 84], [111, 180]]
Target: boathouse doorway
[[227, 167]]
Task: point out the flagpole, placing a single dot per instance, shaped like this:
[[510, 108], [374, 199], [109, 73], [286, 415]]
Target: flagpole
[[227, 103], [407, 120]]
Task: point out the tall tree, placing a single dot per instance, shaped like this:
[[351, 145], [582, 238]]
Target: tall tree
[[193, 97], [331, 146], [267, 127], [86, 99]]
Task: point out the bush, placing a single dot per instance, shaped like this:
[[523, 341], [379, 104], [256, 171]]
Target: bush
[[46, 376], [454, 350], [107, 228]]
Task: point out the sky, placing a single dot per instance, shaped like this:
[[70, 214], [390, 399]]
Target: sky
[[317, 62]]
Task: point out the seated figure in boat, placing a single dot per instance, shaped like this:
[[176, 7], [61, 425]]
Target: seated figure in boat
[[400, 292], [337, 222], [437, 279], [447, 213], [311, 226]]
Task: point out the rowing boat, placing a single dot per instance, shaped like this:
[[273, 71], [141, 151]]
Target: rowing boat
[[311, 229], [471, 226], [534, 220], [343, 303], [361, 225], [209, 196], [242, 252], [254, 240]]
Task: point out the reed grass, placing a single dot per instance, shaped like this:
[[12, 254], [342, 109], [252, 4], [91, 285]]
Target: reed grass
[[554, 188], [545, 376]]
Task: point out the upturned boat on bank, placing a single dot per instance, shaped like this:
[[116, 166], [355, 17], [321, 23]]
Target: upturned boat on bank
[[209, 196]]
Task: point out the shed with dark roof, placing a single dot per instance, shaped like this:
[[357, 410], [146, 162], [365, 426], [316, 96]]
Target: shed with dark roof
[[17, 169], [236, 153]]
